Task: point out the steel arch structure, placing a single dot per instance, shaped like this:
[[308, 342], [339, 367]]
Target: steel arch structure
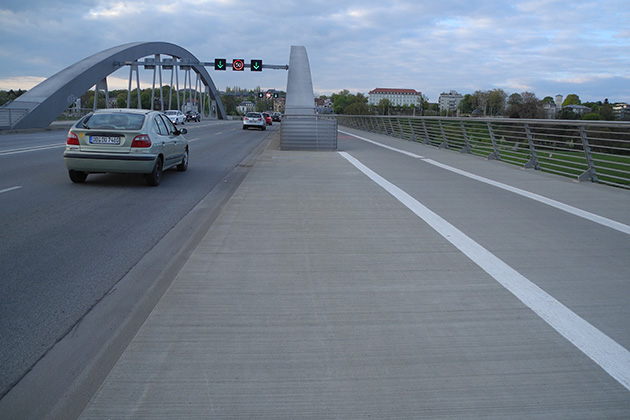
[[42, 104]]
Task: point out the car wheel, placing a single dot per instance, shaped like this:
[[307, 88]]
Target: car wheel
[[153, 179], [264, 127], [77, 176], [244, 127], [184, 165]]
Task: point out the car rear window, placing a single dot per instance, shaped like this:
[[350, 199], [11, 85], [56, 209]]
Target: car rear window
[[253, 115], [118, 121]]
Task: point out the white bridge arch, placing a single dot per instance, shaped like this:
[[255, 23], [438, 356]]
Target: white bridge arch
[[42, 104]]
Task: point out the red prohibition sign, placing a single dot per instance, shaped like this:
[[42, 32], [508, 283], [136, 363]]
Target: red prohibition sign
[[238, 65]]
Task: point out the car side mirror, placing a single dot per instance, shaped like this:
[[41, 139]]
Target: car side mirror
[[182, 131]]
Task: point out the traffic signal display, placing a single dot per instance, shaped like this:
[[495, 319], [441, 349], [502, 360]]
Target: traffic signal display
[[220, 63], [238, 64], [255, 65]]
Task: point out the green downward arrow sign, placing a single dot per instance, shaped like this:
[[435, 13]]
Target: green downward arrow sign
[[256, 65], [219, 63]]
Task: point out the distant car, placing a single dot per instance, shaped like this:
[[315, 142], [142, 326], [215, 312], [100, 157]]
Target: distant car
[[254, 119], [192, 116], [276, 116], [125, 141], [267, 118], [176, 117]]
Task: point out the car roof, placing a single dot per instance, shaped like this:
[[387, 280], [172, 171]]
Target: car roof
[[121, 110]]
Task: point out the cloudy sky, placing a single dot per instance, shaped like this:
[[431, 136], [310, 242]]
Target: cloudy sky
[[547, 47]]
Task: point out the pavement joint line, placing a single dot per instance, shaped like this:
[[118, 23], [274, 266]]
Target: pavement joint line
[[604, 221], [600, 348]]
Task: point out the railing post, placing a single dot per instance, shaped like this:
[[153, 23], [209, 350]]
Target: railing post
[[494, 155], [391, 126], [427, 139], [400, 129], [533, 160], [589, 174], [413, 134], [466, 148], [444, 144]]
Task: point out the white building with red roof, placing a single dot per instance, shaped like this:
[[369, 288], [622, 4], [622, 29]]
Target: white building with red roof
[[397, 97]]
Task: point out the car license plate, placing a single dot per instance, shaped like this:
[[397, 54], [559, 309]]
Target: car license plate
[[104, 140]]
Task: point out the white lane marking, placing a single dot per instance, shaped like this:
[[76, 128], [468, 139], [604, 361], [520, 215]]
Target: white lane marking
[[10, 189], [31, 149], [542, 199], [603, 350]]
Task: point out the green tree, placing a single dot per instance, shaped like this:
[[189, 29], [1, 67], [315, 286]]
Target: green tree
[[532, 106], [592, 116], [514, 103], [121, 100], [606, 111], [344, 99], [466, 105], [357, 108], [496, 101], [571, 99], [384, 106]]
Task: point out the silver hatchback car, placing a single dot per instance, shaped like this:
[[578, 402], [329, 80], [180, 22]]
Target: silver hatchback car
[[254, 119], [125, 141]]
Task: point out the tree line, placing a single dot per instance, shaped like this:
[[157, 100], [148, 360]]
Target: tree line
[[492, 103]]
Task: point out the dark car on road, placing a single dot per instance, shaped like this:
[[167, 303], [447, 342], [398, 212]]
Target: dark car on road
[[192, 116]]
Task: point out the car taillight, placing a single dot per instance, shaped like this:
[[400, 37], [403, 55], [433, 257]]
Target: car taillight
[[72, 139], [141, 141]]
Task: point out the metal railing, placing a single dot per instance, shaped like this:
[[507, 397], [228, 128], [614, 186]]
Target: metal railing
[[584, 150], [9, 116], [308, 132]]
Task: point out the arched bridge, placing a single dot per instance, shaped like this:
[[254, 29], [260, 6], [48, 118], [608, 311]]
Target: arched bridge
[[41, 105]]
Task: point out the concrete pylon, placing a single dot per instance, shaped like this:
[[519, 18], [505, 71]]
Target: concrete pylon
[[300, 97]]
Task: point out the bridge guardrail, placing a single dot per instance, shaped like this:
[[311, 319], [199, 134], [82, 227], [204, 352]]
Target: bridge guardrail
[[308, 132], [9, 116], [585, 150]]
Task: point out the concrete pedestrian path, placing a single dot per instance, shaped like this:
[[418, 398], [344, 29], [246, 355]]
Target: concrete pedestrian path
[[318, 294]]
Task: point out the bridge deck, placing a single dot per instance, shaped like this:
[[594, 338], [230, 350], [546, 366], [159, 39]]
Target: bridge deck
[[319, 294]]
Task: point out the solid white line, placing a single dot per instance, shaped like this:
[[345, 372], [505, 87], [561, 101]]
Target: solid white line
[[10, 189], [603, 350], [548, 201]]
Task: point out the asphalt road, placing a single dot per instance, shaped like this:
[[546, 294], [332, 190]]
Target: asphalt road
[[63, 246]]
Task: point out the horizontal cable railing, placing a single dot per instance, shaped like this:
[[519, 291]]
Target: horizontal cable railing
[[584, 150], [9, 116]]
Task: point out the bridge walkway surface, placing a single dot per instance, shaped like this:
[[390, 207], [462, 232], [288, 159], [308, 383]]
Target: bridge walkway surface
[[391, 280]]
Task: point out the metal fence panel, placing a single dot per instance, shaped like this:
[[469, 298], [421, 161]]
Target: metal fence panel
[[308, 132]]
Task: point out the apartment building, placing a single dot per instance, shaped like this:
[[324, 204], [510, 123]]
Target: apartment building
[[450, 101], [397, 97]]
